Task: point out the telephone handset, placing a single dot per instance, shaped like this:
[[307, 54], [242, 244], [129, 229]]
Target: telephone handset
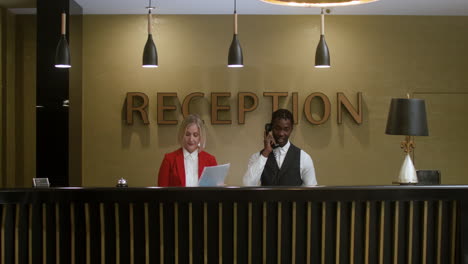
[[268, 128]]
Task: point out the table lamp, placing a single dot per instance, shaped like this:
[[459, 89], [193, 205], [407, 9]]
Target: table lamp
[[407, 117]]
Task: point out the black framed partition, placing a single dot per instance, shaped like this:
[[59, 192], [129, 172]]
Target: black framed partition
[[370, 224], [58, 92]]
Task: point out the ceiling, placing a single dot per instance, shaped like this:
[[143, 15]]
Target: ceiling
[[382, 7]]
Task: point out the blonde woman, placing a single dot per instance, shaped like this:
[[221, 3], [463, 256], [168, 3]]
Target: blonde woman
[[184, 166]]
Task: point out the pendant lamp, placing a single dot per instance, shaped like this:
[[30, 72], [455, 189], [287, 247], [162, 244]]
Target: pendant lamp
[[150, 55], [62, 52], [235, 58], [318, 3], [322, 55]]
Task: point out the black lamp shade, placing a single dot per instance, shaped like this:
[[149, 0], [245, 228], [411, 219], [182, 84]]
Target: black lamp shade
[[62, 53], [235, 58], [407, 117], [322, 55], [150, 55]]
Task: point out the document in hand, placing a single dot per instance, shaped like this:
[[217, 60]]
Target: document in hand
[[214, 175]]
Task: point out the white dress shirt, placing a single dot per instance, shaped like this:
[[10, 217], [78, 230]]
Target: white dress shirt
[[191, 168], [257, 164]]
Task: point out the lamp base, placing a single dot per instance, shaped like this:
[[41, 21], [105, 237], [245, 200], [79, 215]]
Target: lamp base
[[407, 172]]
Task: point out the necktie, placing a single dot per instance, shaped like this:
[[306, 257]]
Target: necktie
[[279, 157]]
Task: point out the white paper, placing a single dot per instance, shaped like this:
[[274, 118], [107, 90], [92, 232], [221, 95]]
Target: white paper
[[214, 175]]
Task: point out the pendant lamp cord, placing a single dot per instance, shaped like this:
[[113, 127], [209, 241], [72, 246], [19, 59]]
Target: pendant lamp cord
[[63, 24], [235, 17], [149, 18], [63, 28], [322, 29]]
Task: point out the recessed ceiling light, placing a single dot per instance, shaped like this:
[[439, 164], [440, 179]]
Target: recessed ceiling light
[[317, 3]]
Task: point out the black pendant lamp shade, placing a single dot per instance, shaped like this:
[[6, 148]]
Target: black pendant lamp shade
[[235, 57], [407, 117], [150, 54], [62, 52], [322, 55]]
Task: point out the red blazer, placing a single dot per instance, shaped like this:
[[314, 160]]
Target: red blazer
[[172, 170]]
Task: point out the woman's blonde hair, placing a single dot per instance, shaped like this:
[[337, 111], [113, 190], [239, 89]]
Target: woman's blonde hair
[[189, 120]]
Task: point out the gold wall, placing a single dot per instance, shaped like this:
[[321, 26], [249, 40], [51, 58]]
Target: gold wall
[[381, 56], [2, 103], [25, 89], [18, 99]]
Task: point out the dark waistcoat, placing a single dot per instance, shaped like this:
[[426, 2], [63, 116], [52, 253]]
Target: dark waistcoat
[[290, 172]]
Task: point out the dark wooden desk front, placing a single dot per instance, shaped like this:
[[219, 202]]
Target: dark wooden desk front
[[370, 224]]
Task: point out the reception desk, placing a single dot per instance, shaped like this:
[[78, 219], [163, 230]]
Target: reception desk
[[354, 224]]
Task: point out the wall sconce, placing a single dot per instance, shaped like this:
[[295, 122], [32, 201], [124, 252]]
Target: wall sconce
[[235, 58], [62, 52], [150, 54], [407, 117]]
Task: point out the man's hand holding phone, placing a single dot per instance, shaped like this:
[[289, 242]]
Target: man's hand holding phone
[[269, 142]]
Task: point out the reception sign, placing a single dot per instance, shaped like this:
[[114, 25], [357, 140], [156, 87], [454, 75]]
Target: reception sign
[[137, 102]]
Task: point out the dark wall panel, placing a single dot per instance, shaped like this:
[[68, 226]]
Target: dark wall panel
[[52, 89]]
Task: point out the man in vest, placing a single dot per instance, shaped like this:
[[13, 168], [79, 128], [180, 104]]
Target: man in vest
[[280, 163]]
